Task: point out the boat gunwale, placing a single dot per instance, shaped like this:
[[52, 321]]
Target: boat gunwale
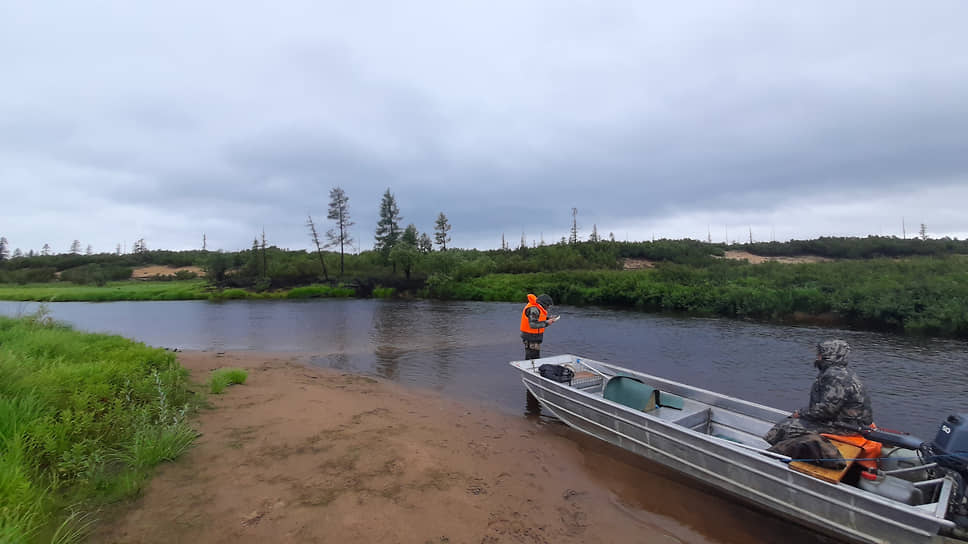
[[755, 456]]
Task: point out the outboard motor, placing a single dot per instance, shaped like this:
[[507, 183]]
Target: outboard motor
[[949, 451]]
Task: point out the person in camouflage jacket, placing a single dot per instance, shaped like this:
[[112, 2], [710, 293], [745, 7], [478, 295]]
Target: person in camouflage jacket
[[838, 399]]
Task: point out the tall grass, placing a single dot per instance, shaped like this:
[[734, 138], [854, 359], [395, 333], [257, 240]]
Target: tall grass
[[83, 418], [224, 377]]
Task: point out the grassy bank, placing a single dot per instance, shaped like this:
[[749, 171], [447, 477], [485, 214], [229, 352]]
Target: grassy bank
[[921, 295], [113, 291], [83, 419], [144, 290]]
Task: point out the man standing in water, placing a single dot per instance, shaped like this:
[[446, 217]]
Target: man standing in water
[[534, 321], [838, 399]]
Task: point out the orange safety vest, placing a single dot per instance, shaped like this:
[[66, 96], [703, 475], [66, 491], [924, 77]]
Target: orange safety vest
[[542, 315]]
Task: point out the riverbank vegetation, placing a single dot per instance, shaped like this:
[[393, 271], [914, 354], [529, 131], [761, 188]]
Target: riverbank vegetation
[[919, 295], [83, 419], [224, 377], [911, 286]]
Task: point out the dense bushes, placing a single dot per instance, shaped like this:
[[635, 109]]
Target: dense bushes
[[860, 248], [96, 274], [922, 295], [23, 276], [82, 419]]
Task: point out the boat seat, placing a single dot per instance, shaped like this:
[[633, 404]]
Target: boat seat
[[631, 392]]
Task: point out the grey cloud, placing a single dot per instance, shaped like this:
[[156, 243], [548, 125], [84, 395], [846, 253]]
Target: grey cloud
[[504, 116]]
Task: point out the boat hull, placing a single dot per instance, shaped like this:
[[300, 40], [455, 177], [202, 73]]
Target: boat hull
[[837, 510]]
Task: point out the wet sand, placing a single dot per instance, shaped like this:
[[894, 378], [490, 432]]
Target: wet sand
[[302, 454]]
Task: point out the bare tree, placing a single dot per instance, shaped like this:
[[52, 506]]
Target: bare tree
[[265, 261], [339, 211], [573, 238], [319, 247], [204, 242]]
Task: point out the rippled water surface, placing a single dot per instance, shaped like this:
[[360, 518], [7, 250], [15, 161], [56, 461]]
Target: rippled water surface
[[462, 348]]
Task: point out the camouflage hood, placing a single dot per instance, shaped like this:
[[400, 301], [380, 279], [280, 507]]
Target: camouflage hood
[[832, 353]]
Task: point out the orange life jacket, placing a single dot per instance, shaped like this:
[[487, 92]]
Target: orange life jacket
[[870, 451], [542, 315]]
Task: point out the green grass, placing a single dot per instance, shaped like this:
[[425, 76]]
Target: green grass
[[113, 291], [224, 377], [83, 419], [384, 292], [154, 290], [319, 291]]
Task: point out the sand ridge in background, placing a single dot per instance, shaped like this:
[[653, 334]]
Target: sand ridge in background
[[757, 259], [639, 264], [303, 454], [144, 272]]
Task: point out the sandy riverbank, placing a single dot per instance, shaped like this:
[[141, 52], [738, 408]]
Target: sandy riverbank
[[300, 454]]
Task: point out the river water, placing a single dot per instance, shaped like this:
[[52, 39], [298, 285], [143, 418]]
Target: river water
[[462, 349]]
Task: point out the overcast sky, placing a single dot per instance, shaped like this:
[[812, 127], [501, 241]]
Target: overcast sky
[[170, 120]]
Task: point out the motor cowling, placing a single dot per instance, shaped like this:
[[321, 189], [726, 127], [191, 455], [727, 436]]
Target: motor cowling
[[950, 445], [949, 450]]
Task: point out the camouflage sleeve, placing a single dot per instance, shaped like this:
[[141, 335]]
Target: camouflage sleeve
[[533, 321], [833, 392]]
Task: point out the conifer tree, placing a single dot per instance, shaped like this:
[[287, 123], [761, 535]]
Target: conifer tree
[[441, 230], [388, 226]]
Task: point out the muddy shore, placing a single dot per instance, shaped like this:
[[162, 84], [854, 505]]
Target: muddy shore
[[303, 454]]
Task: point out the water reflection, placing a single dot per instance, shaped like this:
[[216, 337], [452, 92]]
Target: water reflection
[[462, 348]]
